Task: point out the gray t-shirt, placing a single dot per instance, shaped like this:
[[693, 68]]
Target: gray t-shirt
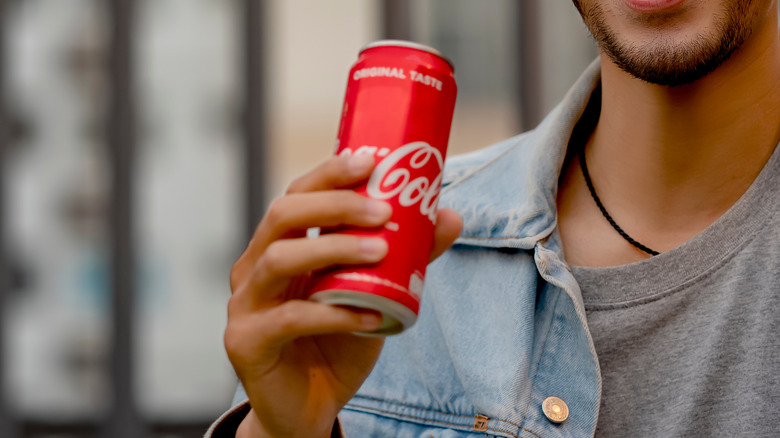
[[689, 341]]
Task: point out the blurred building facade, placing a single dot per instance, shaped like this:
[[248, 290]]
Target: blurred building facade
[[188, 174]]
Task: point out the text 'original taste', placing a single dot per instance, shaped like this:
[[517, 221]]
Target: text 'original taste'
[[398, 73]]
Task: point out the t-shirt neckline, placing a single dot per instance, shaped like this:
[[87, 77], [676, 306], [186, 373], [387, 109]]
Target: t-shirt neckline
[[675, 269]]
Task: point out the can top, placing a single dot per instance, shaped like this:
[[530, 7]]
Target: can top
[[409, 44]]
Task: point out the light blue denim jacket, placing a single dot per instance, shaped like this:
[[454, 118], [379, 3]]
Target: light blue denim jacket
[[502, 324]]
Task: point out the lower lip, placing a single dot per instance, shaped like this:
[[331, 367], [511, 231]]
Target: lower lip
[[652, 5]]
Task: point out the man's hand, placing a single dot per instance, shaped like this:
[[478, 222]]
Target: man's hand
[[297, 359]]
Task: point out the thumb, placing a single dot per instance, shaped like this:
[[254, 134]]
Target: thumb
[[448, 226]]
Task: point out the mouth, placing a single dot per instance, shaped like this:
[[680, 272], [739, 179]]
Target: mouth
[[653, 6]]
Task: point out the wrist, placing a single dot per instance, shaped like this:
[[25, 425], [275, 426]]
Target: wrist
[[251, 427]]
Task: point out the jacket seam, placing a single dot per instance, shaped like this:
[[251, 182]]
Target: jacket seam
[[531, 432], [420, 420], [541, 357], [403, 417], [536, 238], [389, 402], [403, 405]]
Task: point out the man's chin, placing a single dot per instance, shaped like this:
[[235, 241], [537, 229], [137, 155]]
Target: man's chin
[[674, 72], [672, 46], [676, 61]]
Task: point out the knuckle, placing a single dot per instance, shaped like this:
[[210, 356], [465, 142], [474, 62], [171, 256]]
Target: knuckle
[[349, 244], [235, 345], [276, 211], [354, 252], [232, 340], [236, 275], [233, 308], [353, 202], [288, 316], [244, 339], [296, 185], [339, 166], [273, 258], [340, 209], [327, 171], [348, 205], [339, 248]]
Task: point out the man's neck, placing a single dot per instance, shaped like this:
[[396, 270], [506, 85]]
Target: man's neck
[[668, 161]]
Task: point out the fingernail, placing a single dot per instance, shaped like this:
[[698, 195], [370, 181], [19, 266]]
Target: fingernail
[[360, 163], [370, 321], [373, 247], [378, 210]]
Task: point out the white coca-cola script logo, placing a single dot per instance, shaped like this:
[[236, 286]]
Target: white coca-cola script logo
[[392, 177]]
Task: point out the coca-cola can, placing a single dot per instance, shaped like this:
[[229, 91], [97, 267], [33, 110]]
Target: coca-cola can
[[398, 107]]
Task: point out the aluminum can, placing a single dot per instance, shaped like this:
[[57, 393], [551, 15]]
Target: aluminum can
[[398, 107]]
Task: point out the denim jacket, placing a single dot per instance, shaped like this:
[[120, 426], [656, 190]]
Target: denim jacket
[[502, 325]]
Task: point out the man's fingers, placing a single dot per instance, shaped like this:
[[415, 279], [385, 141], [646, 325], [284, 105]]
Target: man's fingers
[[291, 215], [286, 259], [448, 227], [268, 330], [289, 258], [297, 318], [297, 212], [304, 318], [337, 172]]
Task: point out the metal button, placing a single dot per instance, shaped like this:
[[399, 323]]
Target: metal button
[[555, 409]]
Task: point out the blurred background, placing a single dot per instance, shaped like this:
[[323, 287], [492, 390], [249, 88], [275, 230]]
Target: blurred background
[[139, 144]]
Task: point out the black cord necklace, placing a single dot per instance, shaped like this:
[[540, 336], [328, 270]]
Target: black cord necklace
[[611, 221]]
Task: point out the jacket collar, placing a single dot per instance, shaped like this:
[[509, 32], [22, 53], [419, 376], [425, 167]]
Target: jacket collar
[[506, 193]]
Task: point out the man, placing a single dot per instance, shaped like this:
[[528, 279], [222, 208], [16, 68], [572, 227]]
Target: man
[[665, 146]]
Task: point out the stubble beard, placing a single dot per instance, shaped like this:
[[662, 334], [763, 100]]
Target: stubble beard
[[671, 63]]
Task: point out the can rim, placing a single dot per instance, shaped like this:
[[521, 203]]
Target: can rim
[[395, 316], [408, 44]]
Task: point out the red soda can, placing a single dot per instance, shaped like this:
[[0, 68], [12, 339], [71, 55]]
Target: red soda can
[[398, 107]]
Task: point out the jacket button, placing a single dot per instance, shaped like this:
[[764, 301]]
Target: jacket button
[[555, 409]]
